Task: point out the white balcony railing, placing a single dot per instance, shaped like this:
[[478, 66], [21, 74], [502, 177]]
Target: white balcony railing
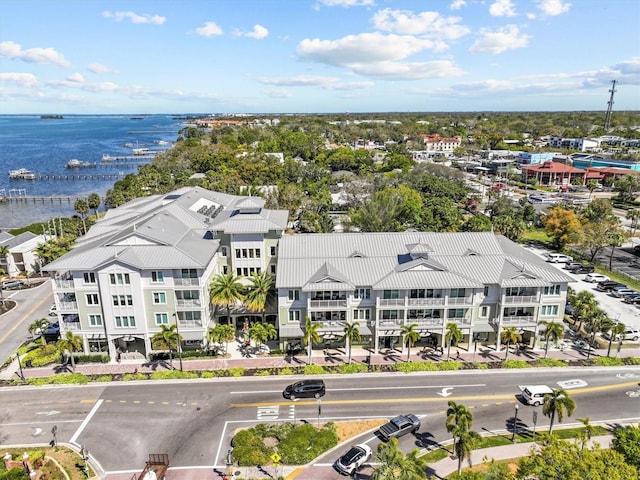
[[63, 283], [194, 302], [68, 306], [391, 302], [460, 300], [187, 282], [522, 299], [71, 326], [520, 320], [328, 303], [425, 301]]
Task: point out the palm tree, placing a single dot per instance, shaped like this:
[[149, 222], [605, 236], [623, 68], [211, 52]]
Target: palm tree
[[634, 216], [262, 332], [552, 331], [167, 339], [94, 201], [38, 327], [459, 420], [81, 207], [260, 293], [467, 441], [221, 333], [587, 432], [510, 335], [70, 343], [411, 336], [227, 290], [596, 322], [393, 464], [452, 337], [584, 303], [616, 239], [351, 334], [311, 335], [556, 404], [617, 329]]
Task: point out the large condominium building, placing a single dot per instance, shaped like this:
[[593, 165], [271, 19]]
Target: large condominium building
[[480, 282], [149, 263]]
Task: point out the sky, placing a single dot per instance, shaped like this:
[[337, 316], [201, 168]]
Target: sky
[[317, 56]]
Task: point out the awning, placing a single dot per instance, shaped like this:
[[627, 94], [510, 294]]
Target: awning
[[483, 328], [193, 335], [291, 331], [364, 330]]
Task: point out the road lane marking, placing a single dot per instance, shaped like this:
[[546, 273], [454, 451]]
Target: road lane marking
[[507, 397], [86, 421], [414, 387], [25, 317]]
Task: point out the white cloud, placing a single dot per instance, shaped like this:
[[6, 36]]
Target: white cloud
[[259, 32], [209, 29], [362, 48], [98, 68], [502, 8], [552, 8], [425, 24], [20, 79], [457, 4], [347, 3], [134, 17], [76, 78], [327, 83], [33, 55], [408, 70], [500, 41]]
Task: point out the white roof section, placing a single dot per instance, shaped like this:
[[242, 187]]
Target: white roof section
[[176, 230], [388, 261]]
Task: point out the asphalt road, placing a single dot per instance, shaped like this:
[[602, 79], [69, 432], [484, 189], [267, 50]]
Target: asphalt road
[[194, 421]]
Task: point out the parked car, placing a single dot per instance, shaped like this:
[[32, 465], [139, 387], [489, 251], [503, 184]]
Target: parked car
[[399, 426], [609, 285], [572, 265], [619, 292], [631, 298], [630, 333], [583, 268], [305, 389], [13, 284], [353, 459], [559, 258], [595, 277]]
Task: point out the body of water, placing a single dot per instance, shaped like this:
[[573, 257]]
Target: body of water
[[44, 146]]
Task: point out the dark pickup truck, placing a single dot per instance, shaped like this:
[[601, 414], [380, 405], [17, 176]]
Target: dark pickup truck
[[399, 426]]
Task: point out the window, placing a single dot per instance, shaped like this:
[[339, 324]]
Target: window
[[294, 315], [125, 322], [122, 300], [294, 295], [157, 277], [89, 277], [223, 251], [424, 313], [362, 293], [159, 298], [390, 315], [273, 269], [390, 294], [362, 314], [272, 250], [484, 312], [457, 293], [119, 279], [225, 269], [239, 272], [195, 315], [549, 310], [486, 291], [244, 253], [552, 290], [92, 299], [455, 313], [258, 254], [421, 293], [162, 319], [189, 273], [95, 320], [238, 253]]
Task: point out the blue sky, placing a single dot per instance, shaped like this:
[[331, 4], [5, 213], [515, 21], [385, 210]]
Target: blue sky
[[308, 56]]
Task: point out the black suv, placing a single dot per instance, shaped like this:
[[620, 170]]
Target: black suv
[[304, 389], [582, 268], [609, 285]]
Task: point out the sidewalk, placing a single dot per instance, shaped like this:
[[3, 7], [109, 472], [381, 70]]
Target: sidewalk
[[238, 358]]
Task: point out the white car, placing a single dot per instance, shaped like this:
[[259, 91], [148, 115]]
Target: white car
[[596, 278], [630, 333], [53, 310], [353, 459], [559, 258]]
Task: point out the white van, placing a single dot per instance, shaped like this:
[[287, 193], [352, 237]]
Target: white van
[[534, 394], [559, 258]]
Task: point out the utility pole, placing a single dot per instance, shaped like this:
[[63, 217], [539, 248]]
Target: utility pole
[[607, 118]]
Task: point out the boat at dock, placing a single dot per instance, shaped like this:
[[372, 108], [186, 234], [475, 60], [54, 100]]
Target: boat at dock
[[21, 174], [141, 151], [75, 163]]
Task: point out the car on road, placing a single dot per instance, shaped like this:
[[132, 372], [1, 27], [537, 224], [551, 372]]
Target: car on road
[[353, 459], [305, 389], [559, 258], [398, 426], [595, 278], [534, 394], [13, 284]]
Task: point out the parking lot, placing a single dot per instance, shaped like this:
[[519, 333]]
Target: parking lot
[[615, 307]]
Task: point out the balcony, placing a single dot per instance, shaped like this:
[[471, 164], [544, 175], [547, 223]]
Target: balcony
[[390, 324], [194, 302], [427, 322], [519, 300], [67, 326], [425, 301], [189, 324], [59, 283], [68, 306], [460, 300], [391, 302], [187, 282], [341, 303], [461, 322], [517, 320]]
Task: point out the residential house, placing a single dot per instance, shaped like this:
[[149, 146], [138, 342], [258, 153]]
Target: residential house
[[20, 258]]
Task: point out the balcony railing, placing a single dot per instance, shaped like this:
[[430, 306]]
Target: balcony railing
[[71, 326], [522, 320], [63, 283], [427, 322], [187, 324], [460, 300], [390, 323], [522, 299], [391, 302], [68, 306], [425, 301], [187, 282], [194, 302], [459, 321], [342, 303]]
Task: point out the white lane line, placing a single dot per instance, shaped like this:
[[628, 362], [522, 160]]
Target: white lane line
[[86, 421], [416, 387]]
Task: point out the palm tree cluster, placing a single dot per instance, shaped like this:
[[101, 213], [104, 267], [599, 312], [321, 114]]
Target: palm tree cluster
[[395, 465], [458, 423], [228, 290]]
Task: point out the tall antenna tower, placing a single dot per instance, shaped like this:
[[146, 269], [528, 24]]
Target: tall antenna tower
[[607, 118]]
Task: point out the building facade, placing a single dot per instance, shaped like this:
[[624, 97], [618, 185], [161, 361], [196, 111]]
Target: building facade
[[149, 263], [383, 282]]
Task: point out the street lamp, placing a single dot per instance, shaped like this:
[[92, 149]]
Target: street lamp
[[179, 342], [515, 423]]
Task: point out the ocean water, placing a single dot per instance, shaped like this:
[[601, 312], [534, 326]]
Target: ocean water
[[44, 146]]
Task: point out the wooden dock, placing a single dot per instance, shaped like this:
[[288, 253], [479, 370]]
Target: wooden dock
[[42, 199], [80, 176]]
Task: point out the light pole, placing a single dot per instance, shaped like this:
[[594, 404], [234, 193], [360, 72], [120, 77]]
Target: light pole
[[319, 411], [84, 453], [179, 342], [515, 423]]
